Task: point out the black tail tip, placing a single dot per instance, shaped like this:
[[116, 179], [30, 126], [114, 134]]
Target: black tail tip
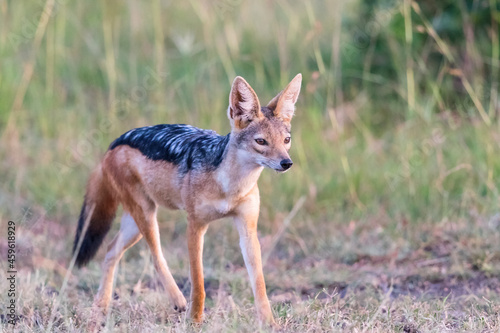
[[88, 248], [90, 242]]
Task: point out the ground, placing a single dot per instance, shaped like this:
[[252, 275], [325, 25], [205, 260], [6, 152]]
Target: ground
[[436, 287]]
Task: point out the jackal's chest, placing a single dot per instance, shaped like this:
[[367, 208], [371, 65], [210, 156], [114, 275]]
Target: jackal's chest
[[221, 194], [213, 205], [209, 209]]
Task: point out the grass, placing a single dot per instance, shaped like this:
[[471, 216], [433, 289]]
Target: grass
[[395, 144]]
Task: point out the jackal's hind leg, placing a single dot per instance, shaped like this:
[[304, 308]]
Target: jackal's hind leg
[[147, 223], [128, 235]]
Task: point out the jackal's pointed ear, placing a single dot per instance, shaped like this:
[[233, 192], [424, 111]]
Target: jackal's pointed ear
[[283, 104], [244, 106]]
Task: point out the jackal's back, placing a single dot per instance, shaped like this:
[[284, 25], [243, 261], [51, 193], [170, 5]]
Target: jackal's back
[[186, 146]]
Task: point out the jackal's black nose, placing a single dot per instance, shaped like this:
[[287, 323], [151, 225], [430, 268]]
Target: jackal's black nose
[[286, 164]]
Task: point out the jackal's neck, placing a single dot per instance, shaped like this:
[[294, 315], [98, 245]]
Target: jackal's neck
[[237, 173]]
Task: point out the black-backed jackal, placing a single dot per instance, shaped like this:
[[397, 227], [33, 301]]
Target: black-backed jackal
[[183, 167]]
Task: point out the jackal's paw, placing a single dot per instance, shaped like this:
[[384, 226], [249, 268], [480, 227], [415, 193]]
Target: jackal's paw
[[275, 327], [270, 323], [180, 303], [96, 320], [268, 320]]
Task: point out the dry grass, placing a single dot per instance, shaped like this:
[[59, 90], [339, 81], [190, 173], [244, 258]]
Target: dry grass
[[448, 283]]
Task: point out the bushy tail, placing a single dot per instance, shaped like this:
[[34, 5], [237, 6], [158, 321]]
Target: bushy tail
[[98, 211]]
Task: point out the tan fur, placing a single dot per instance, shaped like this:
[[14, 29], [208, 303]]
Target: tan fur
[[141, 185]]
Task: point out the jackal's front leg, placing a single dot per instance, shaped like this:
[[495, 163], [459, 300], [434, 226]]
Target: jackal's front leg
[[195, 234], [246, 222]]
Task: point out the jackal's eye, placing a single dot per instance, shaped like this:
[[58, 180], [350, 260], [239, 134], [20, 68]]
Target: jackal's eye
[[287, 140], [260, 141]]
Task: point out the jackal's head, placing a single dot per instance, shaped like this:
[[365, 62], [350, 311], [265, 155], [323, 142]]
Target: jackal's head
[[262, 134]]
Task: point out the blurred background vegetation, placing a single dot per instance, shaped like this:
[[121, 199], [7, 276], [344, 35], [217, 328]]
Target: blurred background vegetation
[[395, 143], [396, 128]]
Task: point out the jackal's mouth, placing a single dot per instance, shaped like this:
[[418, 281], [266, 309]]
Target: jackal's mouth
[[277, 168]]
